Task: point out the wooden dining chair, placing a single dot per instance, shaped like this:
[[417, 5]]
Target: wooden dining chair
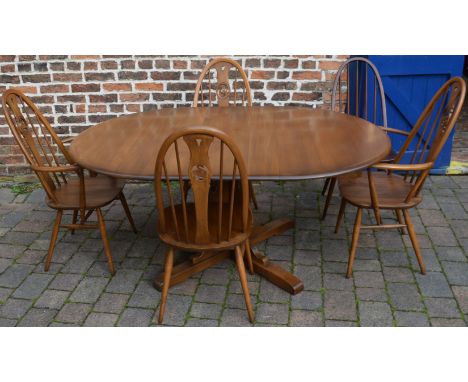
[[219, 218], [398, 186], [224, 83], [53, 165], [358, 91]]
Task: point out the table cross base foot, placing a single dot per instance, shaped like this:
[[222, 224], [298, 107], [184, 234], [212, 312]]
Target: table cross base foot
[[272, 272]]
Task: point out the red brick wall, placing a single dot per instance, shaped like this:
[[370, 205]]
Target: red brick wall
[[76, 92]]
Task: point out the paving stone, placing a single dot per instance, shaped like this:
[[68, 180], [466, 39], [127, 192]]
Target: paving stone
[[89, 289], [411, 319], [375, 314], [214, 276], [65, 281], [442, 307], [38, 317], [211, 293], [9, 251], [307, 240], [434, 284], [371, 294], [4, 264], [306, 300], [394, 258], [111, 303], [334, 267], [198, 322], [405, 296], [14, 308], [6, 322], [4, 294], [305, 318], [447, 322], [188, 287], [340, 305], [234, 317], [73, 313], [22, 238], [337, 282], [101, 319], [367, 265], [272, 313], [368, 279], [124, 281], [398, 274], [271, 293], [340, 324], [310, 276], [461, 295], [145, 296], [177, 308], [52, 299], [442, 236], [202, 310], [15, 275], [236, 301], [136, 317], [236, 287], [79, 263], [450, 254], [457, 273], [33, 286], [307, 257]]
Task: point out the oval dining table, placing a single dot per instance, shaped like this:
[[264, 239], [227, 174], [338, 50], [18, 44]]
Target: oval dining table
[[277, 143]]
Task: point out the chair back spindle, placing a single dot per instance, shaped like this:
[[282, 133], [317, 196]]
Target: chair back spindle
[[36, 138], [224, 82], [360, 76], [213, 164]]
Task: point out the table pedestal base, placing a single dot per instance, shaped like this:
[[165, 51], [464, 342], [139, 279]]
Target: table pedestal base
[[272, 272]]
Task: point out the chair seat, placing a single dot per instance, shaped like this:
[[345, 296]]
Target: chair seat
[[392, 190], [100, 190], [171, 238]]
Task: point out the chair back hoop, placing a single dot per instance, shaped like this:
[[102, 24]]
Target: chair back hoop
[[36, 138], [432, 129], [222, 81], [360, 75], [201, 155]]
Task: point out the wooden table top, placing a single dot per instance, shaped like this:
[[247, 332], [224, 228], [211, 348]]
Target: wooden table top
[[277, 143]]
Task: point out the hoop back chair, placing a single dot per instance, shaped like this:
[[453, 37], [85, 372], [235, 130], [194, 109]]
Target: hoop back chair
[[358, 90], [50, 160], [222, 82], [219, 218], [399, 186]]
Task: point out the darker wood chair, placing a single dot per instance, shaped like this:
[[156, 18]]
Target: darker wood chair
[[397, 186], [219, 218], [360, 76], [224, 83], [50, 160]]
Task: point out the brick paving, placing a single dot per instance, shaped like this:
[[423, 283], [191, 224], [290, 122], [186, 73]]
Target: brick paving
[[386, 290]]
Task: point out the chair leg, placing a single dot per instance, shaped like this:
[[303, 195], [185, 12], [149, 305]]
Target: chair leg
[[105, 241], [123, 200], [75, 216], [325, 186], [329, 196], [168, 263], [248, 252], [252, 195], [53, 239], [400, 220], [414, 241], [339, 220], [354, 243], [243, 280]]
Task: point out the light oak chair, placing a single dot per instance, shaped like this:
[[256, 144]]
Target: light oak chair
[[53, 165], [219, 218], [224, 83], [360, 76], [397, 186]]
